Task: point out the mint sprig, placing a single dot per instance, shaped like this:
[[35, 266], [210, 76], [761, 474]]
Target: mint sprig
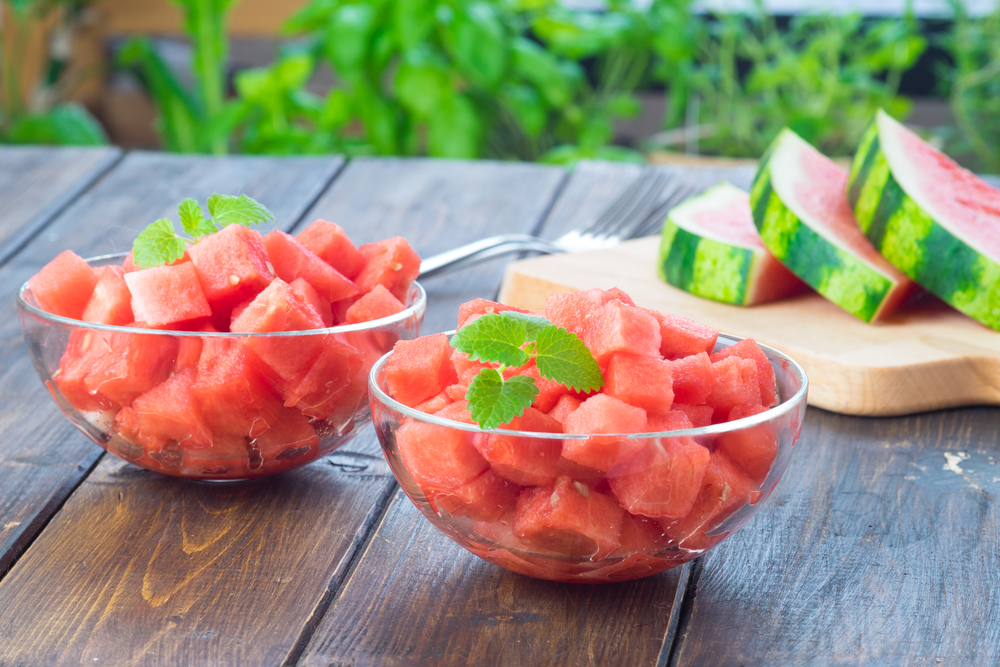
[[160, 244], [511, 340]]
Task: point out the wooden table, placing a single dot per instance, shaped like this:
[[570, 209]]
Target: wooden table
[[879, 546]]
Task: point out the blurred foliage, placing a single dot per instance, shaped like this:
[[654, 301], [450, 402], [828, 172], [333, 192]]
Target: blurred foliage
[[974, 78], [824, 77], [43, 117]]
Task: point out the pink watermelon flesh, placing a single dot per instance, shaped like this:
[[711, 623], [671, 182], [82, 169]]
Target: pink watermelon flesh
[[290, 440], [111, 302], [231, 265], [64, 285], [486, 498], [662, 479], [522, 460], [645, 382], [693, 378], [736, 383], [391, 263], [419, 369], [618, 327], [681, 337], [165, 413], [327, 380], [165, 296], [753, 449], [479, 307], [374, 305], [602, 414], [437, 457], [748, 349], [292, 260], [330, 243], [312, 297]]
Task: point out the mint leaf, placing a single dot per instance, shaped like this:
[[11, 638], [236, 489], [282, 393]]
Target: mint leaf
[[157, 245], [562, 357], [193, 219], [533, 323], [494, 401], [493, 338], [227, 210]]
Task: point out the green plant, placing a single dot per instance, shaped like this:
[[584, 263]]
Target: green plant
[[42, 117], [974, 97], [824, 77], [199, 120]]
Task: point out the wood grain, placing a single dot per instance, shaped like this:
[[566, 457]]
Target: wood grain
[[880, 546], [37, 183], [42, 457]]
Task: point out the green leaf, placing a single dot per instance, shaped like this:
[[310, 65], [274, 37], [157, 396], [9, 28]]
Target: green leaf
[[477, 40], [65, 125], [493, 401], [349, 38], [493, 338], [455, 131], [533, 323], [193, 219], [157, 245], [227, 210], [562, 357]]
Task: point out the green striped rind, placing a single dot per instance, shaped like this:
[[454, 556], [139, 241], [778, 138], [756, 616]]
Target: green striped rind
[[704, 267], [835, 273], [915, 243]]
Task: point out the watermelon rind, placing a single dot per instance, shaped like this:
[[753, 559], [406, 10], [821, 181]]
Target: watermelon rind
[[900, 217], [827, 252], [707, 264]]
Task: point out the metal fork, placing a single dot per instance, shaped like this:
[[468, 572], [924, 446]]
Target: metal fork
[[639, 211]]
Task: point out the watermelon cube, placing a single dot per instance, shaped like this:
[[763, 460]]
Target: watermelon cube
[[64, 285], [438, 458], [698, 415], [435, 403], [735, 383], [602, 414], [331, 244], [693, 379], [165, 296], [566, 404], [312, 297], [681, 337], [290, 439], [391, 263], [319, 391], [662, 479], [645, 382], [166, 413], [569, 518], [486, 498], [675, 420], [620, 328], [419, 369], [549, 391], [113, 368], [111, 302], [753, 449], [640, 535], [374, 305], [479, 307], [573, 310], [292, 260], [523, 460], [231, 265], [748, 349]]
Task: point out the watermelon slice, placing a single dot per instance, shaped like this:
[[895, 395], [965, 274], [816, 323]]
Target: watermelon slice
[[937, 222], [64, 285], [803, 216], [711, 249]]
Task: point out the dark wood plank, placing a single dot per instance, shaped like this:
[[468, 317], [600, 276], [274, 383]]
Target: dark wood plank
[[415, 597], [42, 457], [37, 183], [879, 546]]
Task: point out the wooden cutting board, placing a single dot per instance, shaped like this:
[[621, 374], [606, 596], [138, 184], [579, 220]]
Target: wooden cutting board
[[927, 357]]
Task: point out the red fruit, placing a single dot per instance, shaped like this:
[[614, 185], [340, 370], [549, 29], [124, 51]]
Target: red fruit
[[327, 381], [662, 479], [165, 296], [735, 384], [312, 297], [110, 302], [574, 310], [419, 369], [565, 405], [231, 265], [645, 382], [486, 498], [675, 420], [290, 440], [523, 460], [602, 414], [331, 244], [438, 458], [699, 415], [753, 449], [435, 403], [641, 535], [456, 412], [693, 379], [391, 263], [569, 518], [374, 305], [480, 307], [619, 328], [681, 337], [64, 285], [748, 349], [166, 413], [292, 260], [549, 391]]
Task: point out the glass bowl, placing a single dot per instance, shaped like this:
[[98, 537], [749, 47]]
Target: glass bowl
[[201, 405], [572, 527]]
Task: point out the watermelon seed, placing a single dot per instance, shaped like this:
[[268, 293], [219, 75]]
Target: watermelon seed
[[582, 489], [234, 279], [397, 266]]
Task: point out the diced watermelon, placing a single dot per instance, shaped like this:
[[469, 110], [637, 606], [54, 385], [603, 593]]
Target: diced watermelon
[[330, 243], [522, 460], [486, 498], [602, 414], [167, 295], [327, 380], [167, 412], [693, 379], [438, 458], [456, 392], [419, 369], [724, 489], [569, 518], [456, 412], [290, 440], [549, 391], [748, 349], [111, 369], [675, 420], [662, 479], [480, 307], [188, 352], [292, 260], [699, 415], [735, 383], [312, 297], [111, 302], [565, 405], [753, 449], [574, 310], [64, 285], [280, 308], [391, 263], [617, 327], [640, 535], [645, 382], [231, 265], [681, 337], [465, 368], [374, 305], [235, 398], [228, 458], [435, 403]]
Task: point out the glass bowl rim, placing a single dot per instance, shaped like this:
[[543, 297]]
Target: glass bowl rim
[[410, 311], [768, 415]]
